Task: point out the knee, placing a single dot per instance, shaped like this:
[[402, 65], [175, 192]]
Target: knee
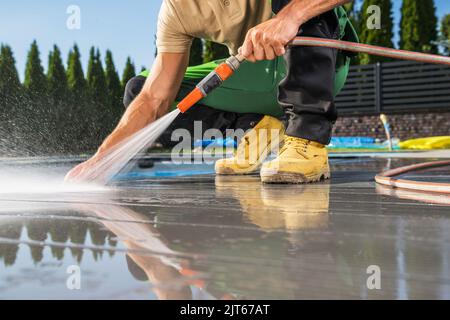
[[132, 89]]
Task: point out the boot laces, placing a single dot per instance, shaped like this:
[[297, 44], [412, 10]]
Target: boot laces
[[245, 142], [299, 145], [243, 146]]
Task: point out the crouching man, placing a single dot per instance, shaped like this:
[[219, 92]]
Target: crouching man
[[259, 30]]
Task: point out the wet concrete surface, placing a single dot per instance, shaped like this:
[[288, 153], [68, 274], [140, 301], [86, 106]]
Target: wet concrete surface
[[179, 232]]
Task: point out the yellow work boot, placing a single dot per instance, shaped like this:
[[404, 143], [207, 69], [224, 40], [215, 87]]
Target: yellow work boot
[[254, 148], [299, 161]]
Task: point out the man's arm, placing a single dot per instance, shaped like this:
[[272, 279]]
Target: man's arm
[[269, 39], [153, 102]]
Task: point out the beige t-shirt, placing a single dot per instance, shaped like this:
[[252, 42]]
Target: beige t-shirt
[[222, 21]]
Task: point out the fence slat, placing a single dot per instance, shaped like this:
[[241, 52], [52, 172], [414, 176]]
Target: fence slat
[[418, 100], [419, 93], [417, 75], [416, 81], [424, 87]]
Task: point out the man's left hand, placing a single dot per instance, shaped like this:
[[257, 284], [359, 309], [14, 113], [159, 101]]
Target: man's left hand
[[269, 39]]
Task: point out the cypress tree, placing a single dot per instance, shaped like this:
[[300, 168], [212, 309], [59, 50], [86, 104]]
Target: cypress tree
[[10, 87], [114, 87], [56, 75], [10, 98], [418, 26], [91, 70], [445, 32], [35, 80], [75, 75], [354, 15], [35, 116], [98, 93], [56, 111], [215, 51], [80, 116], [380, 37], [129, 72], [431, 26], [9, 77], [196, 53], [96, 78]]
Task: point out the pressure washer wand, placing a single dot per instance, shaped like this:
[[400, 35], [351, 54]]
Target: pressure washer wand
[[211, 82], [226, 69]]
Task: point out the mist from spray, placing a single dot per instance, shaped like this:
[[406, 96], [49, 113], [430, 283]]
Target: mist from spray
[[116, 159], [32, 181]]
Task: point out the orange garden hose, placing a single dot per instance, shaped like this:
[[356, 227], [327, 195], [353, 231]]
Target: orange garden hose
[[372, 50], [426, 197], [387, 178]]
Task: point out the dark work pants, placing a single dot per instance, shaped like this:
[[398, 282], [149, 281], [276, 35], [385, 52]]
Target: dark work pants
[[307, 92], [210, 118]]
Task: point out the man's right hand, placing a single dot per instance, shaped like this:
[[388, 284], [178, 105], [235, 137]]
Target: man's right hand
[[77, 173]]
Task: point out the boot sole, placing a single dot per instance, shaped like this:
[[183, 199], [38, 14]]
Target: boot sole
[[233, 172], [293, 178]]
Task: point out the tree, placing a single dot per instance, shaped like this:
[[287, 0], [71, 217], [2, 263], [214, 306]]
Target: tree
[[34, 119], [100, 124], [445, 32], [10, 97], [9, 77], [96, 78], [215, 51], [35, 80], [373, 35], [56, 76], [75, 75], [353, 13], [196, 53], [80, 116], [418, 26], [129, 72], [431, 26], [113, 86], [57, 110]]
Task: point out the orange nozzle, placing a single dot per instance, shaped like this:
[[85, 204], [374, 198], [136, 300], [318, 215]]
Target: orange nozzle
[[192, 98], [224, 71], [208, 84]]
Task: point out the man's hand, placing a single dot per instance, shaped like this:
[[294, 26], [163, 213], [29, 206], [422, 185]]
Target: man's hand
[[269, 39], [80, 170]]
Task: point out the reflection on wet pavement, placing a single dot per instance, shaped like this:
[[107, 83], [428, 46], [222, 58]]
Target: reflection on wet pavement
[[206, 237]]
